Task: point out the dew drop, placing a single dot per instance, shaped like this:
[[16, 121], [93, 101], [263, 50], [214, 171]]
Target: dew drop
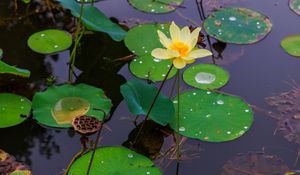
[[247, 110], [55, 46], [130, 155], [232, 18], [205, 78], [141, 62], [194, 93], [148, 172], [220, 102], [228, 132], [208, 92], [163, 75], [175, 101], [156, 60], [42, 35], [182, 129]]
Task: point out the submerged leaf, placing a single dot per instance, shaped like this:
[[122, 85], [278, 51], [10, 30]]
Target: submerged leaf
[[14, 109], [95, 20], [156, 6], [59, 105], [114, 160], [139, 97], [237, 25], [291, 44]]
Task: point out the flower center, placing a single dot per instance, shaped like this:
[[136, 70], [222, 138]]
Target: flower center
[[180, 47]]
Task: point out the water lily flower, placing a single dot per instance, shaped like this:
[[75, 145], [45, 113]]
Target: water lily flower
[[181, 47]]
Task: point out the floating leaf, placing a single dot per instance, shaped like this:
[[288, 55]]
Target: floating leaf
[[50, 41], [7, 69], [206, 76], [114, 160], [142, 39], [237, 25], [212, 116], [255, 163], [139, 97], [21, 172], [95, 20], [14, 109], [147, 67], [87, 1], [26, 1], [59, 105], [156, 6], [295, 6], [291, 44]]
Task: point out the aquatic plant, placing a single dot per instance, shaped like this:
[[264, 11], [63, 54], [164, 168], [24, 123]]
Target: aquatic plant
[[156, 6], [291, 44]]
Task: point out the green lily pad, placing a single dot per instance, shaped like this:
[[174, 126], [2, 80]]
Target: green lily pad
[[237, 25], [114, 160], [139, 97], [95, 20], [211, 116], [206, 76], [7, 69], [59, 105], [295, 6], [14, 109], [50, 41], [147, 67], [291, 44], [155, 6], [142, 39]]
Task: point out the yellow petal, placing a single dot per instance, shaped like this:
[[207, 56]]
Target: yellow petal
[[185, 35], [174, 32], [179, 63], [165, 41], [194, 37], [164, 53], [199, 53], [189, 61]]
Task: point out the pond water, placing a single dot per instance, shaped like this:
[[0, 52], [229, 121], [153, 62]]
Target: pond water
[[257, 71]]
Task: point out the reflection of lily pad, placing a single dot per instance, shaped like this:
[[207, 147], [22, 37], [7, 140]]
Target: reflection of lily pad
[[237, 25], [95, 20], [255, 163], [291, 45], [147, 67], [50, 41], [7, 69], [139, 96], [156, 6], [212, 116], [295, 6], [142, 39], [114, 160], [14, 109], [206, 76], [59, 105]]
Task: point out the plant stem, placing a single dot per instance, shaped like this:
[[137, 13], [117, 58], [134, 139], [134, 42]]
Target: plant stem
[[151, 106], [78, 36], [177, 115]]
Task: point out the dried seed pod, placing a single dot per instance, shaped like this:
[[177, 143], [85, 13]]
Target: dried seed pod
[[86, 125]]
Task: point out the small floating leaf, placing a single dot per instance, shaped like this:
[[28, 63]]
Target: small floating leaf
[[142, 39], [21, 172], [59, 105], [156, 6], [114, 160], [147, 67], [211, 116], [291, 44], [95, 20], [139, 97], [237, 25], [206, 76], [7, 69], [14, 109], [295, 6], [50, 41]]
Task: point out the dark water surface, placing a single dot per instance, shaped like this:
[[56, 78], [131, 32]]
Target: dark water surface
[[257, 71]]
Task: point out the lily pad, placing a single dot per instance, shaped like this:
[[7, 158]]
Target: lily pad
[[7, 69], [59, 105], [155, 6], [291, 45], [95, 20], [206, 76], [142, 39], [211, 116], [50, 41], [147, 67], [237, 25], [114, 160], [139, 97], [87, 1], [295, 6], [14, 109]]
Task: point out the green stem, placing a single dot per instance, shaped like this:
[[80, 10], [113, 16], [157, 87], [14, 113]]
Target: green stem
[[177, 115], [78, 36]]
